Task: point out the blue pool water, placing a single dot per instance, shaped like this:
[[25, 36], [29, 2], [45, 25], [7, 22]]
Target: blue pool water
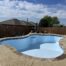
[[36, 45]]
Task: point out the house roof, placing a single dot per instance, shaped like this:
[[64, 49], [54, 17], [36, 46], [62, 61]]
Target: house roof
[[17, 22]]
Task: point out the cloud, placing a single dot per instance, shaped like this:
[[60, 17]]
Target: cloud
[[24, 9]]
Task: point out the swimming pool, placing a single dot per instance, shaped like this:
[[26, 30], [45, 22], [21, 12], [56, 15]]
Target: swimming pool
[[36, 45]]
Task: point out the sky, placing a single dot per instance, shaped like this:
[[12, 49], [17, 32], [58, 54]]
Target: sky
[[34, 10]]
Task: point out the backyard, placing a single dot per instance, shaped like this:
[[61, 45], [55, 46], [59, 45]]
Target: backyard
[[9, 57]]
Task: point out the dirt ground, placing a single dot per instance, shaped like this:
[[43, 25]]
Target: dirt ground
[[9, 57]]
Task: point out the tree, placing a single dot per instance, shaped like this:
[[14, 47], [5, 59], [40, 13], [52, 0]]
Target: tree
[[43, 23], [61, 25], [48, 21], [55, 19]]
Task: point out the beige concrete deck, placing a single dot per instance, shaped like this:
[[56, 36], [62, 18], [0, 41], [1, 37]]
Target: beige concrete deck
[[9, 57]]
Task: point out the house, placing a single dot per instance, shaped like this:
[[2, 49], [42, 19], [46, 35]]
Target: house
[[14, 27], [17, 22]]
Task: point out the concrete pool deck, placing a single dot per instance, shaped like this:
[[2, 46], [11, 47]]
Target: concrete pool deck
[[9, 57]]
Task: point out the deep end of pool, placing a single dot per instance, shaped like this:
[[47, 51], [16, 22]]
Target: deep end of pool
[[36, 45]]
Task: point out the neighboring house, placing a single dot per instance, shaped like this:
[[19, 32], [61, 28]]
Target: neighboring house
[[15, 27], [17, 22]]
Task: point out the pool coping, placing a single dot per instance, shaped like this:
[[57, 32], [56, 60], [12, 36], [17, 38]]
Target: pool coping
[[25, 36]]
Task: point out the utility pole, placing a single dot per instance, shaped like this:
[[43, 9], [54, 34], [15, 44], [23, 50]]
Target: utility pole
[[27, 20]]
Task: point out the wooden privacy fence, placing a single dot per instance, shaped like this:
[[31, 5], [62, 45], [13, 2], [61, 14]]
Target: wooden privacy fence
[[14, 30], [55, 30]]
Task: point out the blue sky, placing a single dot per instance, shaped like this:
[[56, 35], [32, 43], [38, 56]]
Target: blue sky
[[32, 9]]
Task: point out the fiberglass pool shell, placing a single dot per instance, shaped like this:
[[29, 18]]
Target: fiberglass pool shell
[[36, 45]]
